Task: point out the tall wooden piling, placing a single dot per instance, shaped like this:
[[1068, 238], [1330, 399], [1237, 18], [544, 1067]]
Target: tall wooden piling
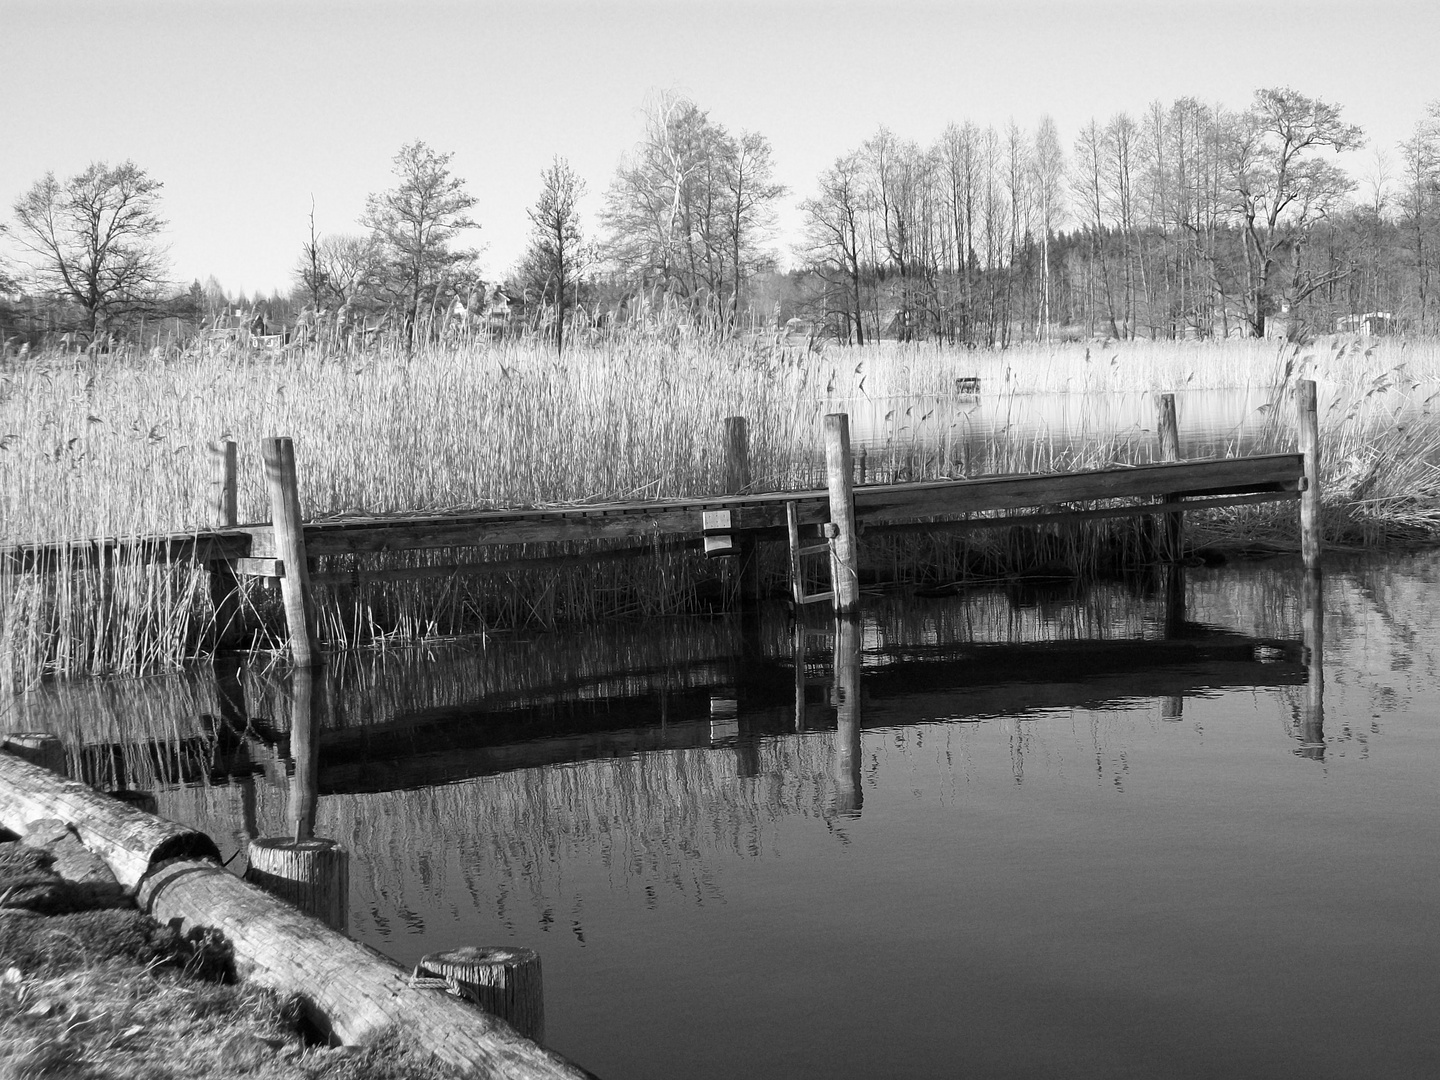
[[225, 503], [1169, 432], [737, 482], [844, 547], [1308, 420], [737, 455], [284, 487]]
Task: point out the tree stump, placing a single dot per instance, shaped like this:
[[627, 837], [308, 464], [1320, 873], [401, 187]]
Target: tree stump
[[314, 875], [502, 981]]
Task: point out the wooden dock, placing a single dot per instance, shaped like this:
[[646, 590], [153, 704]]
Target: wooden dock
[[721, 524]]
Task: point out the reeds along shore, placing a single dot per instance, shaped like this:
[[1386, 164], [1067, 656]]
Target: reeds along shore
[[120, 445]]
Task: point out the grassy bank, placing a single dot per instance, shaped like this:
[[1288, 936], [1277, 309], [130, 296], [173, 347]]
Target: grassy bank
[[91, 991], [119, 445]]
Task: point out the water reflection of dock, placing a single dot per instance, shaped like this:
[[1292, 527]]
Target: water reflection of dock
[[412, 720]]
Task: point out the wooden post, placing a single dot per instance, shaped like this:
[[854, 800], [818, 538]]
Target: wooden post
[[737, 482], [314, 875], [1309, 423], [39, 748], [844, 558], [1169, 430], [224, 585], [737, 455], [224, 456], [848, 796], [505, 982], [284, 488]]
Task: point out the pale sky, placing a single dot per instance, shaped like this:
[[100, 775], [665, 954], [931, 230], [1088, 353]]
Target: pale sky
[[245, 110]]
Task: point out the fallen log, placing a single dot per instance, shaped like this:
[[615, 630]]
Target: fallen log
[[129, 840], [350, 992]]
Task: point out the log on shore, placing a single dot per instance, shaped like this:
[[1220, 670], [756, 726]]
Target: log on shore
[[129, 840], [350, 992]]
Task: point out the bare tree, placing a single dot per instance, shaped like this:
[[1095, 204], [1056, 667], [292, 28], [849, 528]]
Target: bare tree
[[833, 223], [1420, 204], [417, 222], [1279, 189], [556, 258], [1049, 166], [95, 240]]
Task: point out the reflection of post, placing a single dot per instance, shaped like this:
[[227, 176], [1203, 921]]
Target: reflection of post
[[848, 797], [313, 874], [1313, 712], [1174, 600], [1172, 707], [797, 647], [303, 737], [1308, 419]]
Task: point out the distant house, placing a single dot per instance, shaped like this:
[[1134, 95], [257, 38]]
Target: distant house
[[1370, 324]]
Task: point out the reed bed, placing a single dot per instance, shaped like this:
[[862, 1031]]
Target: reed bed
[[120, 446]]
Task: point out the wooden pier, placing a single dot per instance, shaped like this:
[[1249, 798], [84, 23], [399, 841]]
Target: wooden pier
[[830, 521]]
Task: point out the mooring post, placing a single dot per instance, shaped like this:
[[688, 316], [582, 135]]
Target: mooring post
[[737, 482], [224, 456], [848, 796], [504, 981], [224, 585], [284, 488], [1169, 430], [1309, 423], [844, 549], [737, 455]]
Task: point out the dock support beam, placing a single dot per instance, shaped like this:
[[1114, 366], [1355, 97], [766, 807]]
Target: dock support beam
[[1308, 418], [737, 482], [839, 472], [1169, 430], [284, 490]]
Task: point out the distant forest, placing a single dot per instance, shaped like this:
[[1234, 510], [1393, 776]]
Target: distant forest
[[1189, 221]]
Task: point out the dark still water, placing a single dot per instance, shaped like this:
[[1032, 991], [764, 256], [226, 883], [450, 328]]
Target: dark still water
[[1084, 834]]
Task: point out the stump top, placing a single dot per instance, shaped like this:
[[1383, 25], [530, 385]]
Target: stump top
[[483, 954]]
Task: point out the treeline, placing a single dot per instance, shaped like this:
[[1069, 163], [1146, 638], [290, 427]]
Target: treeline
[[1191, 220]]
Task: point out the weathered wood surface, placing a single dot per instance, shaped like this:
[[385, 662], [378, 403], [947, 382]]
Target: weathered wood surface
[[504, 981], [130, 841], [289, 534], [875, 504], [844, 545], [350, 992], [313, 874]]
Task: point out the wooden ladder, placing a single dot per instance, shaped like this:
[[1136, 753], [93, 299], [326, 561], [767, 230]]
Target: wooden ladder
[[798, 553]]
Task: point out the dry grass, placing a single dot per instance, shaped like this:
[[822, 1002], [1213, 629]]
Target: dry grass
[[119, 446]]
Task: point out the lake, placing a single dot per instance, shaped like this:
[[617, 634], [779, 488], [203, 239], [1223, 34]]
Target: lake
[[1181, 826]]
